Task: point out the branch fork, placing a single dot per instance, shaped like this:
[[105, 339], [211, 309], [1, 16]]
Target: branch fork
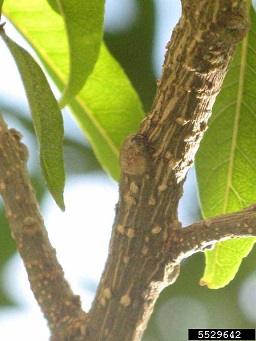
[[147, 242]]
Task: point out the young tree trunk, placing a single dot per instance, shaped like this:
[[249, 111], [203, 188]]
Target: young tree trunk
[[154, 165]]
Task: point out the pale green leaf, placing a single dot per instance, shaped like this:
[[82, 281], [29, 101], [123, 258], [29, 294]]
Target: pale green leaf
[[223, 262], [84, 28], [46, 116], [226, 161], [108, 108]]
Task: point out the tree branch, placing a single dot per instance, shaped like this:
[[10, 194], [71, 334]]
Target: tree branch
[[154, 165], [61, 308], [142, 257], [201, 235]]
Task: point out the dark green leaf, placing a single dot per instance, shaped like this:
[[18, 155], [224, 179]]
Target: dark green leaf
[[46, 116], [7, 249], [226, 161], [140, 37]]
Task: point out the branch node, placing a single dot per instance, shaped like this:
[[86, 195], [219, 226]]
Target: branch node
[[135, 156]]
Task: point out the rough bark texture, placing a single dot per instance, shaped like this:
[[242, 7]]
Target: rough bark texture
[[202, 235], [61, 308], [147, 241], [155, 162]]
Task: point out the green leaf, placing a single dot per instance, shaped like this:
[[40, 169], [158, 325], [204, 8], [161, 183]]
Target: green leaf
[[7, 250], [84, 28], [46, 116], [107, 109], [223, 262], [226, 161], [1, 5]]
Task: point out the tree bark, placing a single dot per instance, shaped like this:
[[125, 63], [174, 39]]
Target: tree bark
[[147, 241], [154, 165], [61, 308], [202, 235]]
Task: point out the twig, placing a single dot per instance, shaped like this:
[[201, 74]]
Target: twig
[[203, 234], [61, 308]]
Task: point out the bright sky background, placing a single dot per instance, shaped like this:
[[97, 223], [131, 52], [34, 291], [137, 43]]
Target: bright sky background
[[84, 229]]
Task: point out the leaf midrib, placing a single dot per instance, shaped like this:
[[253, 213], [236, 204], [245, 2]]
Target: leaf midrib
[[236, 121]]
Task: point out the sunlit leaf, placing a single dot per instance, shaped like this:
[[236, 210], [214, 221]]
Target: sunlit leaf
[[84, 28], [223, 262], [107, 108], [46, 116], [1, 5], [226, 161]]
